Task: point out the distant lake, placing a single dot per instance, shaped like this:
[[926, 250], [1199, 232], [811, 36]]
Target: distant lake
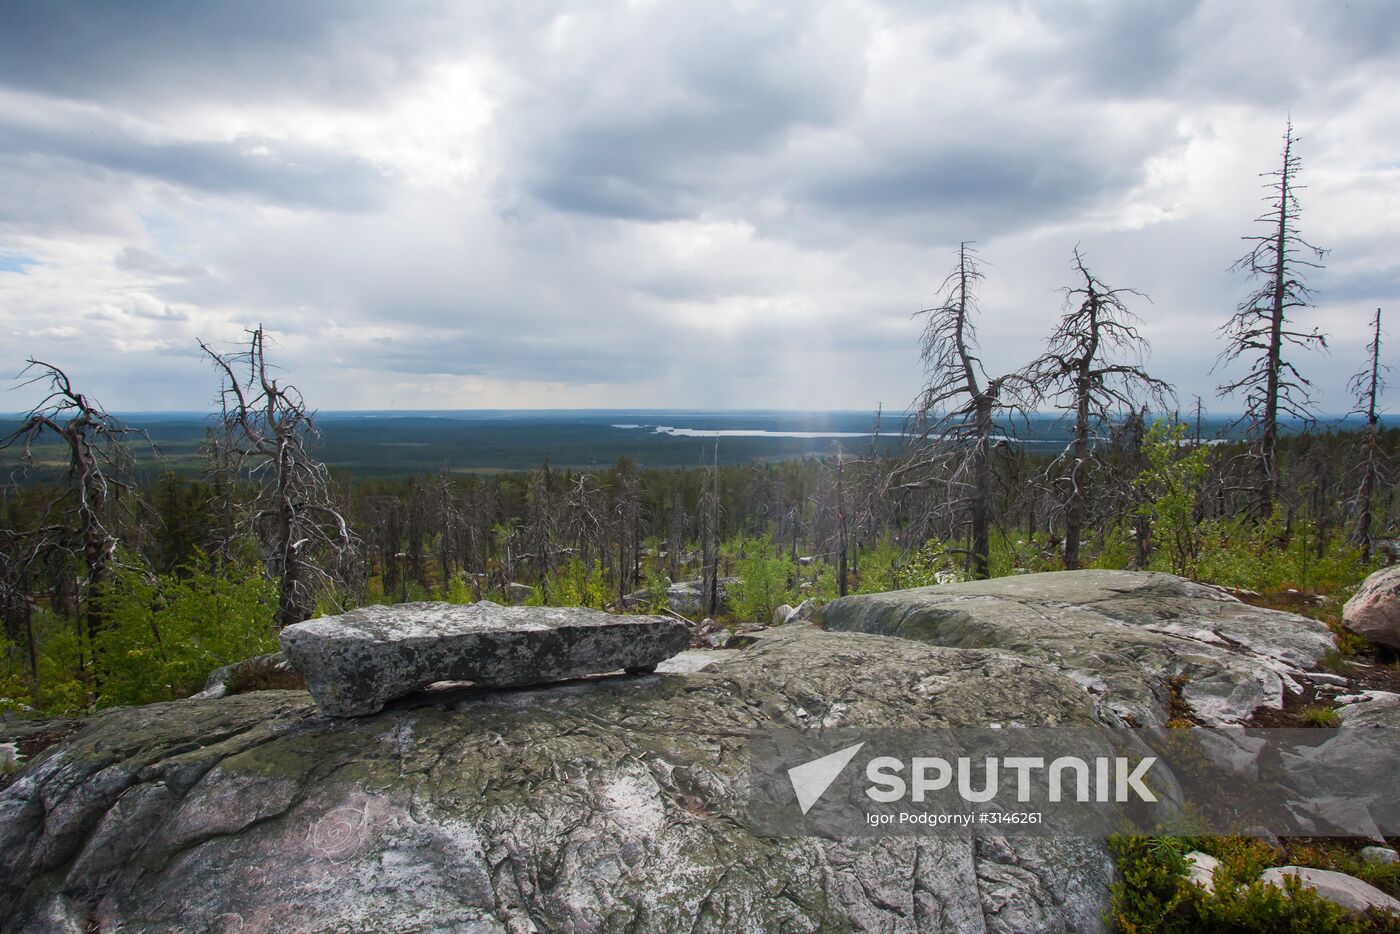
[[396, 443]]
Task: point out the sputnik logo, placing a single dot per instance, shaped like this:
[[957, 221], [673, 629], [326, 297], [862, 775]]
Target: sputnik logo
[[810, 780]]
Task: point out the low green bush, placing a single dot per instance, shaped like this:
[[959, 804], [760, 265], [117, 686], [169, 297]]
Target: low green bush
[[766, 578], [1153, 893]]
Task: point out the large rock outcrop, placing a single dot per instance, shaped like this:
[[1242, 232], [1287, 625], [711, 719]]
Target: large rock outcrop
[[1374, 610], [601, 804], [1128, 637]]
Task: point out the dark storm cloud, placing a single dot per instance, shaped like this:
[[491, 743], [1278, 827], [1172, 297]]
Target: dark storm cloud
[[652, 120], [267, 169], [994, 187], [1116, 49], [555, 355], [338, 50]]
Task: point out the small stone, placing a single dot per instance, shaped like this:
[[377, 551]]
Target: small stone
[[1379, 855], [357, 662], [718, 640], [1322, 677], [803, 613], [781, 614], [1200, 869], [1337, 887]]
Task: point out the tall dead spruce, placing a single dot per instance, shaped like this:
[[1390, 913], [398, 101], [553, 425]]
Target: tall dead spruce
[[954, 425], [1092, 372], [1261, 332], [1366, 387], [305, 544], [80, 522]]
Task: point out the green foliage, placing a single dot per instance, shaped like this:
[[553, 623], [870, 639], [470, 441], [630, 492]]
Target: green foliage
[[1170, 484], [164, 634], [1334, 855], [879, 568], [886, 567], [458, 591], [765, 582], [1318, 715], [1153, 893], [59, 690], [1013, 554], [824, 585], [1116, 550], [1267, 557], [574, 585], [657, 586]]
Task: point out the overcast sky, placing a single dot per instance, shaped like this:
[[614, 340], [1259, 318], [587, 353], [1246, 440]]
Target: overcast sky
[[709, 204]]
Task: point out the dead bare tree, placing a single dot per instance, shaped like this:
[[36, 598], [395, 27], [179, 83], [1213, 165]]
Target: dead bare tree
[[953, 429], [586, 511], [1366, 387], [81, 523], [709, 536], [386, 515], [627, 524], [223, 481], [19, 554], [1260, 330], [1091, 371], [539, 528], [675, 536], [842, 503], [447, 523], [303, 538]]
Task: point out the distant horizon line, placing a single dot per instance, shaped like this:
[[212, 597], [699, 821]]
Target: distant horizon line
[[198, 413]]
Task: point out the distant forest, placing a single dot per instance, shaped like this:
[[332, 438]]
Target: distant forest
[[123, 583]]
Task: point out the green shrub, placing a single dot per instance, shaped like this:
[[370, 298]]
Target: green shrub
[[765, 580], [1321, 716], [1265, 557], [658, 585], [162, 636], [1170, 482], [458, 591], [886, 567], [165, 633], [571, 585], [1153, 894]]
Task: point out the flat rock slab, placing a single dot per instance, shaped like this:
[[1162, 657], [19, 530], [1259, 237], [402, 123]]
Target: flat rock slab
[[357, 662], [1130, 638]]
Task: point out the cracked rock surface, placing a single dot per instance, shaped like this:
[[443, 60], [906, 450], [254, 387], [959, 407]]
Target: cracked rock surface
[[612, 804], [356, 662], [1123, 635]]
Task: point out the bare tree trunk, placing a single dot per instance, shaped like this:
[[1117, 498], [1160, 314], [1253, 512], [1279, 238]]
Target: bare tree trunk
[[1366, 386], [1260, 330], [981, 487]]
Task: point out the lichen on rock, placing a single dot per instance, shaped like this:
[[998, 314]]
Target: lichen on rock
[[609, 804]]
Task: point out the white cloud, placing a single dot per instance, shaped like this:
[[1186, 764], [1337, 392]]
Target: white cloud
[[682, 204]]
